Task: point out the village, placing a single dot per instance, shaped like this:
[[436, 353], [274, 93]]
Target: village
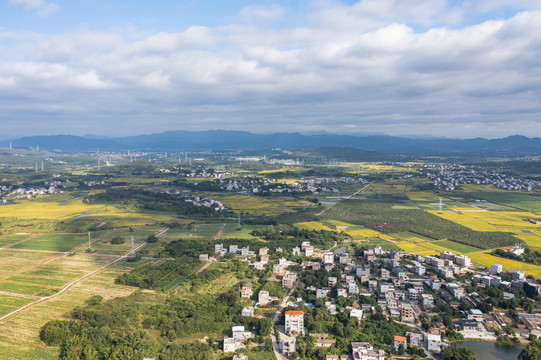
[[440, 299]]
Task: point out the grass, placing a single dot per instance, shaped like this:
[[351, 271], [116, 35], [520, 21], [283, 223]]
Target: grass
[[10, 303], [16, 260], [8, 240], [20, 333], [57, 242], [456, 247]]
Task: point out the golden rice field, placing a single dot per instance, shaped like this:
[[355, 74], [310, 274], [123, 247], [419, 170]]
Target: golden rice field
[[411, 248], [486, 259], [313, 225]]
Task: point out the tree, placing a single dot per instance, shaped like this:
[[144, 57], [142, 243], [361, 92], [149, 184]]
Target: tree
[[454, 352], [532, 351]]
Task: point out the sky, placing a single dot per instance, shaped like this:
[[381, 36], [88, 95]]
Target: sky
[[461, 68]]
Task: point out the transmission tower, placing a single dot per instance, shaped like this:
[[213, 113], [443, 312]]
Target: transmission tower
[[132, 254]]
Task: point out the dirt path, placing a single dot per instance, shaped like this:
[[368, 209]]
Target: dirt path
[[220, 232], [49, 259], [66, 288], [203, 268], [23, 240]]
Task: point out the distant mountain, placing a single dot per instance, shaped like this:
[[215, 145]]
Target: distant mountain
[[240, 140]]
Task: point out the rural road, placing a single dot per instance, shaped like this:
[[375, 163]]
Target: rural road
[[349, 197]]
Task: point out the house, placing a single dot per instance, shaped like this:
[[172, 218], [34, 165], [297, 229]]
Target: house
[[264, 298], [406, 312], [331, 281], [399, 340], [496, 268], [263, 251], [433, 341], [294, 322], [289, 279], [203, 257], [427, 301], [328, 257], [365, 351], [324, 292], [475, 314], [356, 313], [247, 311], [229, 345], [468, 325], [288, 346], [322, 341], [246, 292], [415, 339]]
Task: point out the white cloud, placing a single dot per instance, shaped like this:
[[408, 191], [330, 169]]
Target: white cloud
[[362, 68], [41, 8]]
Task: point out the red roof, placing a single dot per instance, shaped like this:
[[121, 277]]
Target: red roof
[[400, 338], [294, 312]]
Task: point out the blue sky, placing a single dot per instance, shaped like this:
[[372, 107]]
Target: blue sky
[[446, 68]]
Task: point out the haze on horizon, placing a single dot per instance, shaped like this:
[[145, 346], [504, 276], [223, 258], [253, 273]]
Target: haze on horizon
[[445, 68]]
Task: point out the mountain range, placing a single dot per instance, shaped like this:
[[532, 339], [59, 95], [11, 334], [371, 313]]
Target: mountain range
[[240, 140]]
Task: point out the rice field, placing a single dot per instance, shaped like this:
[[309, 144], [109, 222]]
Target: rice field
[[52, 242], [254, 205], [411, 248], [486, 259], [15, 260]]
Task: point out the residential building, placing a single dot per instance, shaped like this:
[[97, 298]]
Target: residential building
[[496, 268], [264, 298], [294, 322], [289, 279], [328, 257], [246, 292]]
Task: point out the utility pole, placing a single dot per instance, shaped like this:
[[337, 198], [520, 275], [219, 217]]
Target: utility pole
[[89, 241]]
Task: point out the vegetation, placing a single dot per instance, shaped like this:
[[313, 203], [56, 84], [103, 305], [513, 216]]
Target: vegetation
[[370, 213]]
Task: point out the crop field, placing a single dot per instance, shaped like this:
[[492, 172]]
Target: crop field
[[56, 242], [486, 259], [15, 260], [411, 248], [51, 276], [20, 333], [455, 247], [231, 231], [10, 303], [516, 199], [385, 245], [465, 219], [8, 240], [313, 225], [253, 205]]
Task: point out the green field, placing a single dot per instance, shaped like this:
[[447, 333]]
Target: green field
[[455, 247], [10, 303], [59, 242]]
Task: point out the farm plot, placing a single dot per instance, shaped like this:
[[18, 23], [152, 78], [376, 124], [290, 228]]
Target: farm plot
[[455, 247], [254, 205], [313, 225], [486, 259], [47, 278], [52, 242], [231, 231], [8, 240], [10, 303], [20, 333], [412, 248], [465, 219], [15, 260]]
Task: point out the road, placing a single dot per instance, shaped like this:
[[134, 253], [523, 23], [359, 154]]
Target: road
[[275, 342]]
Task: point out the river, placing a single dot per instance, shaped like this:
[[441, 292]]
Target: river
[[493, 351]]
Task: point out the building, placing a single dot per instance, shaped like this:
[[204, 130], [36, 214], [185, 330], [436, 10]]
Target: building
[[475, 314], [456, 290], [309, 251], [365, 351], [263, 251], [229, 345], [328, 257], [420, 269], [289, 279], [413, 294], [463, 260], [427, 301], [246, 292], [406, 312], [518, 275], [294, 322], [331, 281], [356, 313], [433, 341], [496, 268], [399, 340], [264, 298], [322, 341]]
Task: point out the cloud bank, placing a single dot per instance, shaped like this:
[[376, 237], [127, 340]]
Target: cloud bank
[[438, 67]]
